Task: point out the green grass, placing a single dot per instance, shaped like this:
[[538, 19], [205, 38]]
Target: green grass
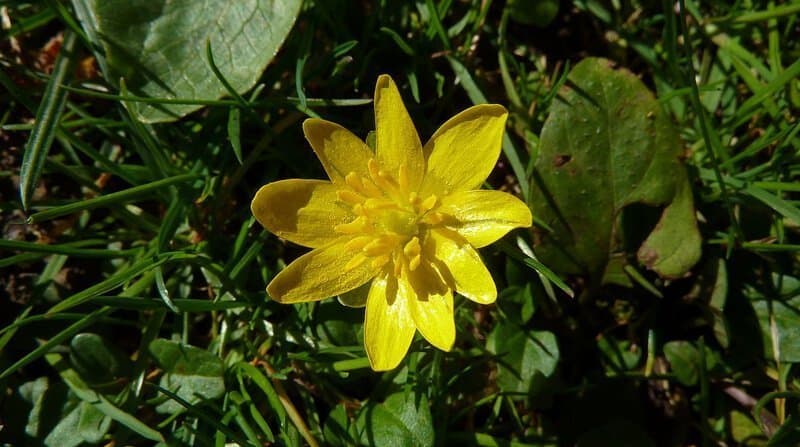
[[136, 232]]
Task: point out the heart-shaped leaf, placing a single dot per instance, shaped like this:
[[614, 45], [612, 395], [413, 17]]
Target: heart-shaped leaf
[[159, 46], [524, 357], [192, 373], [607, 144]]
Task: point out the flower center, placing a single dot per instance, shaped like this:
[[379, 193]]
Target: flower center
[[391, 220]]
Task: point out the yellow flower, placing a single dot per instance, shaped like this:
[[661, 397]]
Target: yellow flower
[[407, 217]]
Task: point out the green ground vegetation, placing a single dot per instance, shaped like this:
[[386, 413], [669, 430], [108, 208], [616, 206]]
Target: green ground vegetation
[[656, 301]]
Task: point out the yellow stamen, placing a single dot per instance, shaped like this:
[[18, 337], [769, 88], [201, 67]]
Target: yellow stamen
[[428, 203], [380, 261], [359, 225], [354, 181], [379, 204], [374, 169], [402, 178], [381, 178], [354, 262], [433, 218], [348, 196], [357, 243], [412, 248], [380, 246], [414, 262]]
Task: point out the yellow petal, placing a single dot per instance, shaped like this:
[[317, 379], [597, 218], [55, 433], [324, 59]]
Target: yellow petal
[[433, 315], [461, 266], [462, 153], [396, 140], [318, 274], [301, 211], [483, 216], [388, 326], [337, 148]]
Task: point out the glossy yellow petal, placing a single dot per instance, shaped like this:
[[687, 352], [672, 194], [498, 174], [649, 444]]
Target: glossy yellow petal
[[433, 315], [461, 266], [388, 326], [396, 140], [301, 211], [484, 216], [337, 148], [319, 274], [462, 153]]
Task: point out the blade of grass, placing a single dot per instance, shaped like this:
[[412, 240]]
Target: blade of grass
[[204, 416], [752, 104], [126, 195], [712, 144], [537, 266], [47, 117], [774, 12], [9, 331], [152, 303], [234, 129], [122, 276], [776, 203], [56, 340], [69, 249], [477, 97]]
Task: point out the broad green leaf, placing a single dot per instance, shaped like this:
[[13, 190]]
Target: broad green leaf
[[100, 402], [780, 317], [524, 357], [685, 361], [618, 354], [96, 360], [538, 13], [34, 392], [339, 430], [338, 325], [404, 419], [191, 373], [745, 431], [92, 423], [66, 432], [607, 144], [158, 47]]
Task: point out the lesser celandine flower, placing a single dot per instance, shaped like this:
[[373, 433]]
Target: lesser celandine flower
[[406, 217]]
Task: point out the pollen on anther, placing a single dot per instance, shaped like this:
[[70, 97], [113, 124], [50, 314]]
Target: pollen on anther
[[354, 181], [374, 168], [380, 261], [357, 244], [414, 262], [402, 177], [412, 248], [428, 203], [433, 218], [356, 226], [378, 247], [350, 197]]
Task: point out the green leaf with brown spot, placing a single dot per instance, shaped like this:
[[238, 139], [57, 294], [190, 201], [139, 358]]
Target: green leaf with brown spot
[[606, 145]]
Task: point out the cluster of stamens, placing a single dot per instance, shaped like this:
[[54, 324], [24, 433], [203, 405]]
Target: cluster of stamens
[[391, 219]]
